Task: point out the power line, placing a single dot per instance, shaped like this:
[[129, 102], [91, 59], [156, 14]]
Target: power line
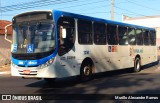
[[44, 3], [40, 3], [129, 11], [100, 6], [22, 3], [75, 2], [125, 13], [33, 5], [95, 12], [24, 6], [142, 5], [84, 4]]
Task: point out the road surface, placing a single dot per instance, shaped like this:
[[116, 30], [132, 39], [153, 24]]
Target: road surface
[[147, 81]]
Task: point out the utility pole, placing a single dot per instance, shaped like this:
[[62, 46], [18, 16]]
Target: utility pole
[[112, 9]]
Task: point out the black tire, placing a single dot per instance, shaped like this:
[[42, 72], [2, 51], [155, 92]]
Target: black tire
[[86, 71], [137, 65]]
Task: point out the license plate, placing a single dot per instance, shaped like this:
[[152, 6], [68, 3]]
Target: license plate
[[26, 71]]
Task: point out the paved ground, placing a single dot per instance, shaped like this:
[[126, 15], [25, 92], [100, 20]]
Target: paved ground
[[104, 85], [5, 69]]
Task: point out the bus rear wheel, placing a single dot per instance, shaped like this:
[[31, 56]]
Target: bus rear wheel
[[86, 71], [137, 65]]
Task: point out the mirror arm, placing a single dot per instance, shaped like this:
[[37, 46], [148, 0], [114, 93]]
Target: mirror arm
[[6, 33]]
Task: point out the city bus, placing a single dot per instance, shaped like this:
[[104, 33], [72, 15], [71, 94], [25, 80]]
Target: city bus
[[57, 44]]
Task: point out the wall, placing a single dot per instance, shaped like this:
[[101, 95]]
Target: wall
[[5, 47], [5, 50]]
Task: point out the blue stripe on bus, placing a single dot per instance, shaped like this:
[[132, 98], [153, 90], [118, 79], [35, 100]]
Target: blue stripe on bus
[[33, 62]]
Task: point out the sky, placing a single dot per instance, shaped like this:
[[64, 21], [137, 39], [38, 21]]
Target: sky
[[94, 8]]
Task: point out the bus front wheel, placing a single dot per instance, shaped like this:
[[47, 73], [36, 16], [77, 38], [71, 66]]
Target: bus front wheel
[[86, 71], [137, 65]]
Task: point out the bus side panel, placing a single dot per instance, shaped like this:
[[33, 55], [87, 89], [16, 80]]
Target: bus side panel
[[68, 64], [148, 54], [121, 56], [106, 57]]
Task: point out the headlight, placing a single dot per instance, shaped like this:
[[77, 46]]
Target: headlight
[[49, 62], [14, 65]]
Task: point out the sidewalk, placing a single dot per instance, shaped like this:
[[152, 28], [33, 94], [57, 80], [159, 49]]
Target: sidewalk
[[5, 68]]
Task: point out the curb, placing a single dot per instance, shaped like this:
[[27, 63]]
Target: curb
[[5, 72]]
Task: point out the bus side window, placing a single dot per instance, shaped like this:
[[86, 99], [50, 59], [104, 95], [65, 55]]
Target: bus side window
[[84, 32], [99, 34], [146, 37], [112, 35], [131, 36], [152, 37], [139, 37], [66, 31], [122, 34]]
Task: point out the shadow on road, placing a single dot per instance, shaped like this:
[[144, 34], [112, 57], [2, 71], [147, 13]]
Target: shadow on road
[[107, 83], [72, 81]]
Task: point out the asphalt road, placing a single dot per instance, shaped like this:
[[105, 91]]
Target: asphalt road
[[116, 82]]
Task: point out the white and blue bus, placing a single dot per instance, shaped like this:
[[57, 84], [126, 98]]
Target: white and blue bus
[[57, 44]]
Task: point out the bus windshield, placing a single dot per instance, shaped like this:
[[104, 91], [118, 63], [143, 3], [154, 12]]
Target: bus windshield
[[33, 37]]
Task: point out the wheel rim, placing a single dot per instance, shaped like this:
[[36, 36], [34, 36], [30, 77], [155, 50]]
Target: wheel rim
[[86, 70], [138, 65]]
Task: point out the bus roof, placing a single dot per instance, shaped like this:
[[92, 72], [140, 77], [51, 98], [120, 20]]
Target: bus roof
[[78, 16], [28, 12]]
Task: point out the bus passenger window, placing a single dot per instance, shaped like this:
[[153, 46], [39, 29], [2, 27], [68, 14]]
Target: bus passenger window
[[99, 34], [112, 35], [146, 37], [66, 31], [152, 37], [84, 32], [131, 36], [122, 34], [139, 37]]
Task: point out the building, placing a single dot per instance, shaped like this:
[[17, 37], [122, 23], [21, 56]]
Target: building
[[5, 46], [148, 21], [3, 23]]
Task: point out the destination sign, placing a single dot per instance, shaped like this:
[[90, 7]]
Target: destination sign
[[31, 17]]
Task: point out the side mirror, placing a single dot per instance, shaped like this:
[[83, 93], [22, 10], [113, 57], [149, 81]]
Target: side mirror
[[6, 33], [64, 33]]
